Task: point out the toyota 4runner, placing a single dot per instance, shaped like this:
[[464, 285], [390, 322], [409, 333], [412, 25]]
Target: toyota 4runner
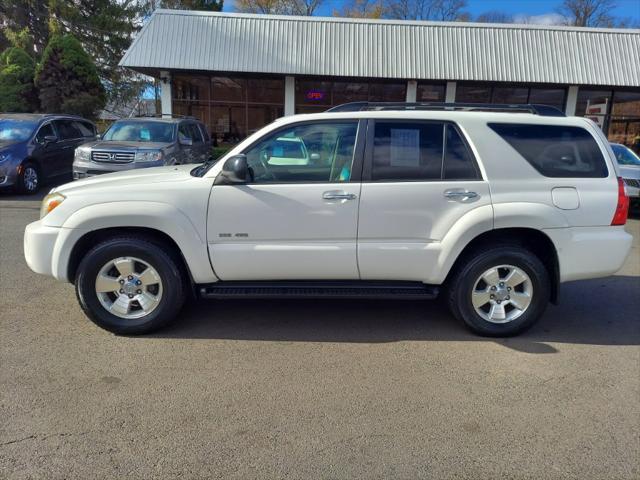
[[492, 206]]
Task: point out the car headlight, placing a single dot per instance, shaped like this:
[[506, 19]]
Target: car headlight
[[82, 154], [152, 156], [4, 156], [50, 202]]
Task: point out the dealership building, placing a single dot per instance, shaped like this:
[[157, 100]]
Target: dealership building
[[239, 72]]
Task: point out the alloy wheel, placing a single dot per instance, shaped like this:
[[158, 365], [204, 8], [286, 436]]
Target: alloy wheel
[[502, 294]]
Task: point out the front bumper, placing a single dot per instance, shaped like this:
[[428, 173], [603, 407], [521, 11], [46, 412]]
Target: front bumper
[[85, 169], [39, 244], [8, 173]]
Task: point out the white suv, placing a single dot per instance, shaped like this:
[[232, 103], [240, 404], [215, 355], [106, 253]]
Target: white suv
[[493, 206]]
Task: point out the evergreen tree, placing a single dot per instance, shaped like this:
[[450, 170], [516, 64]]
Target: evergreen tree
[[17, 91], [68, 80]]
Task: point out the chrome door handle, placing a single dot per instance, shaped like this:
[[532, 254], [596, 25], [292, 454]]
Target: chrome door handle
[[460, 194], [338, 195]]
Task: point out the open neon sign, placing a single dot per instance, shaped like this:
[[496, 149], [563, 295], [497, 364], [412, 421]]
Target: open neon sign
[[315, 95]]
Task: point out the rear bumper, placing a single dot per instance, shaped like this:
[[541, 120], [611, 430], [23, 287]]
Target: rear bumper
[[590, 252]]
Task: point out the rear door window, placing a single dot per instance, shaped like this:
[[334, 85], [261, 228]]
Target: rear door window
[[68, 130], [555, 150], [407, 151], [420, 151], [85, 128]]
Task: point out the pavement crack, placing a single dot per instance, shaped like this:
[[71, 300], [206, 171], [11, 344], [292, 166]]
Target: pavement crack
[[17, 440]]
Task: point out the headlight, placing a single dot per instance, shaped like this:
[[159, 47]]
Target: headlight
[[148, 156], [50, 202], [82, 154], [4, 156]]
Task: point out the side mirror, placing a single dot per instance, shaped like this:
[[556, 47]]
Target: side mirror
[[50, 139], [98, 136], [314, 157], [234, 170], [185, 142]]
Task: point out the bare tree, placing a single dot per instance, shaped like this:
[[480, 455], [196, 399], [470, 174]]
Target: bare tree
[[494, 16], [281, 7], [588, 13], [444, 10]]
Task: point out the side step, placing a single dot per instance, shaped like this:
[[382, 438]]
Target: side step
[[320, 289]]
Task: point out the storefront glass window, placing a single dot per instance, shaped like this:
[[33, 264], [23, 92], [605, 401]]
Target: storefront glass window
[[555, 97], [473, 93], [231, 107], [510, 95], [594, 104], [624, 126], [428, 92], [314, 96]]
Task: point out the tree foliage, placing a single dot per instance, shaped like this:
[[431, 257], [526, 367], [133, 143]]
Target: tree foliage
[[149, 6], [17, 91], [361, 9], [68, 80]]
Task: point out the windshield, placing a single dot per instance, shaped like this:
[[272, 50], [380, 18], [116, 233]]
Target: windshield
[[136, 131], [16, 130], [625, 156]]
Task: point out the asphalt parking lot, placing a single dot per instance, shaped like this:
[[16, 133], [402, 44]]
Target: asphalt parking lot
[[304, 389]]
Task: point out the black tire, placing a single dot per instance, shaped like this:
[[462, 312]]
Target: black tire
[[173, 287], [25, 183], [460, 289]]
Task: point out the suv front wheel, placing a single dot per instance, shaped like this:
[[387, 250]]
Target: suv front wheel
[[129, 285], [500, 292]]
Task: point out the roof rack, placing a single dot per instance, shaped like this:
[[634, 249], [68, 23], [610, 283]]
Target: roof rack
[[536, 109], [163, 115]]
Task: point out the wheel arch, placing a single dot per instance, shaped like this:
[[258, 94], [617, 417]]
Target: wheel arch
[[533, 240], [157, 237]]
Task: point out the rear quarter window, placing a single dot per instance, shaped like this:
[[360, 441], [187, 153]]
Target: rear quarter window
[[555, 150]]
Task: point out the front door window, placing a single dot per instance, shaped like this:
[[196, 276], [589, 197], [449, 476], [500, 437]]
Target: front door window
[[318, 152]]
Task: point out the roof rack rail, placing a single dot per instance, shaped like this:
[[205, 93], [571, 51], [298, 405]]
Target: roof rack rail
[[163, 115], [536, 109]]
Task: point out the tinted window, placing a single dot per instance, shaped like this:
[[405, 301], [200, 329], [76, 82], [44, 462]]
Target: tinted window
[[137, 131], [45, 131], [196, 136], [458, 162], [85, 128], [184, 132], [67, 130], [407, 151], [555, 150], [321, 152]]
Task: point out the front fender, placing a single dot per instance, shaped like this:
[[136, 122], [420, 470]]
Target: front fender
[[158, 216]]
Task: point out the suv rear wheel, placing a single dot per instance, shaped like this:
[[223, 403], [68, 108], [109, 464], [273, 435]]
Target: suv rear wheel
[[129, 285], [500, 292]]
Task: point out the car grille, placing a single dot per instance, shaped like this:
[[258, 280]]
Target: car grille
[[113, 157], [632, 182]]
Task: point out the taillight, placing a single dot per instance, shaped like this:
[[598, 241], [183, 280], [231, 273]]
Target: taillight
[[622, 209]]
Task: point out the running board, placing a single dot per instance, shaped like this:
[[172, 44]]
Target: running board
[[328, 289]]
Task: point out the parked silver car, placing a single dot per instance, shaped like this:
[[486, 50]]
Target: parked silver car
[[142, 143], [629, 163]]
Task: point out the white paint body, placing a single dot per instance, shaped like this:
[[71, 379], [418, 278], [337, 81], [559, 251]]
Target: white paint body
[[390, 231]]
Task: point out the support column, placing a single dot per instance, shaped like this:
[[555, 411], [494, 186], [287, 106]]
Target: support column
[[450, 92], [289, 96], [412, 91], [165, 94], [572, 100]]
